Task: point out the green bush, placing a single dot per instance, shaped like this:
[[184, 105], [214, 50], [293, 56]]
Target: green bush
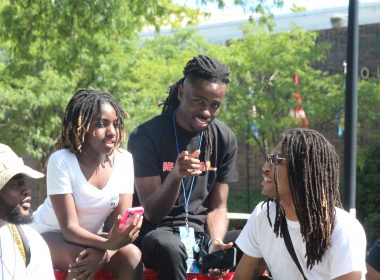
[[240, 202], [368, 198]]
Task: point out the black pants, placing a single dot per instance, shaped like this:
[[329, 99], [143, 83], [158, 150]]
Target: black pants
[[164, 251]]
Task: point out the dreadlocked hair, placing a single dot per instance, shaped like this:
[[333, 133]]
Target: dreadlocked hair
[[200, 67], [313, 171], [82, 108]]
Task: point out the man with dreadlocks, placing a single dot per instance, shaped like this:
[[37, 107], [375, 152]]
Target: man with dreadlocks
[[90, 177], [301, 181], [184, 160]]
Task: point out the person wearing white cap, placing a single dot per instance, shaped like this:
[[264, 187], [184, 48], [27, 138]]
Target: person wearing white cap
[[23, 252]]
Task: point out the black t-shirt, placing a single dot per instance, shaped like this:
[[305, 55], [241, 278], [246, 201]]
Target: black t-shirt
[[153, 146], [373, 256]]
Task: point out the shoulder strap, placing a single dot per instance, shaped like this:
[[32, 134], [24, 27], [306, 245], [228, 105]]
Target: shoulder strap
[[25, 243], [21, 241], [289, 245]]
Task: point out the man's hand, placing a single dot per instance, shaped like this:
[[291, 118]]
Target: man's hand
[[188, 164], [217, 245]]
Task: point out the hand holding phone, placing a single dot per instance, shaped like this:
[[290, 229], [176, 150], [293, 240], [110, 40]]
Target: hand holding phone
[[222, 260], [128, 216]]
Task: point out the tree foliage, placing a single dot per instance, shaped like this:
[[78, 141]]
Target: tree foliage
[[261, 94], [368, 109], [368, 201], [262, 64], [49, 49], [261, 7], [31, 111]]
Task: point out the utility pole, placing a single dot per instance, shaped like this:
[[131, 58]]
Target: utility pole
[[351, 108]]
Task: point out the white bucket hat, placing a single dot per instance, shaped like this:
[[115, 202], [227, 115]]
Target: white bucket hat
[[11, 165]]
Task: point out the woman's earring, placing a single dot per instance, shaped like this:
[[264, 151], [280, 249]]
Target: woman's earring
[[93, 133]]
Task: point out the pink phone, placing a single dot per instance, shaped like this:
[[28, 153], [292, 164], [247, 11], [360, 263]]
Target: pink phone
[[129, 215]]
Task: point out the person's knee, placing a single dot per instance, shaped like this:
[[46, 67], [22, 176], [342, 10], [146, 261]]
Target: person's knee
[[131, 254], [126, 263], [62, 252]]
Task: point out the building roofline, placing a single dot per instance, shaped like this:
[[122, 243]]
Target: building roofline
[[309, 20]]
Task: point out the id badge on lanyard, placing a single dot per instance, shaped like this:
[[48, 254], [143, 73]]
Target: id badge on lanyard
[[186, 233], [187, 236]]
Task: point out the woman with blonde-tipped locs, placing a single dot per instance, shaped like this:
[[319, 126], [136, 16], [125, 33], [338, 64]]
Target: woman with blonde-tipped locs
[[89, 177]]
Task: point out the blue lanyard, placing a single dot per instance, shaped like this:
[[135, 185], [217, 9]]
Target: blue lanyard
[[185, 198]]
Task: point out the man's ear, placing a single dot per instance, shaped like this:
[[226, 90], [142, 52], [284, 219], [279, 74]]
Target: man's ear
[[180, 92]]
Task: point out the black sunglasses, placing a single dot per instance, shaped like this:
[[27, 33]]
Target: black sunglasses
[[273, 159]]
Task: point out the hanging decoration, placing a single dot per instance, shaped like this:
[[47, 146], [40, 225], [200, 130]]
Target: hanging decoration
[[298, 111], [340, 121]]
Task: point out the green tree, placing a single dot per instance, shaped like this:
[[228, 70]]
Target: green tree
[[69, 35], [263, 65], [297, 9], [368, 109], [49, 49], [31, 111], [368, 201]]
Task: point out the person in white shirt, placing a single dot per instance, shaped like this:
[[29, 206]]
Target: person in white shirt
[[301, 181], [23, 252], [89, 177]]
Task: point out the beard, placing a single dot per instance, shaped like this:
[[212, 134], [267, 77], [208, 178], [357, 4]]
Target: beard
[[13, 214]]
